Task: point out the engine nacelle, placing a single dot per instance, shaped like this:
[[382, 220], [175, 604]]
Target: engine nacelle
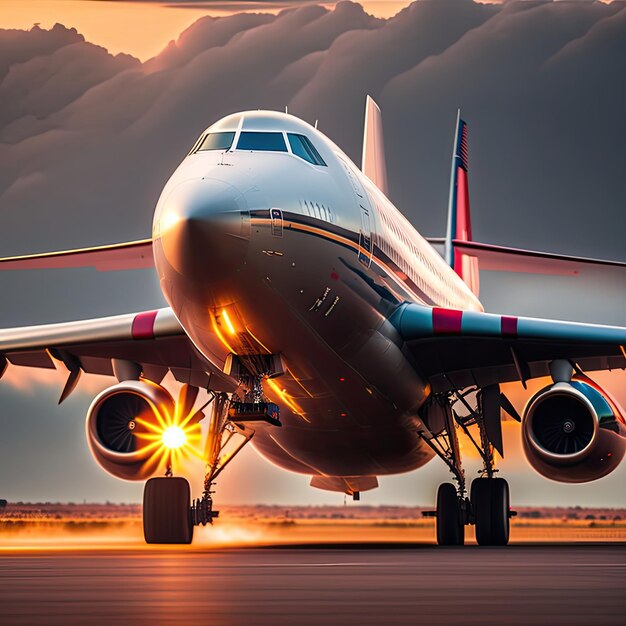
[[119, 429], [573, 432]]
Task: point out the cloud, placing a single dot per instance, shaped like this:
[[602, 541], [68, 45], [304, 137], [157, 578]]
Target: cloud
[[522, 72]]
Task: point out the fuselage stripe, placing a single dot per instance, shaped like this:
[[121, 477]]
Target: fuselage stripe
[[350, 240]]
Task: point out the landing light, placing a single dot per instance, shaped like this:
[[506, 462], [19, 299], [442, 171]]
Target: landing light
[[174, 437], [229, 324]]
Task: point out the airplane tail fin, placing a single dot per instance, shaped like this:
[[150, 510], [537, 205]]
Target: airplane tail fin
[[459, 219], [464, 254], [373, 158]]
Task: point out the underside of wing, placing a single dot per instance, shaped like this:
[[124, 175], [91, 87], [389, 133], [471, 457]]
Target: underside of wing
[[151, 342], [131, 255], [458, 349]]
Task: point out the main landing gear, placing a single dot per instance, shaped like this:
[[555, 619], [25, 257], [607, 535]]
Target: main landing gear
[[169, 515], [166, 512], [488, 505], [491, 510]]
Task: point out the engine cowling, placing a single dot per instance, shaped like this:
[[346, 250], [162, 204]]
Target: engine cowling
[[573, 432], [118, 421]]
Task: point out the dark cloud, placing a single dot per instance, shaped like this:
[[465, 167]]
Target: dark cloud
[[87, 139], [540, 84]]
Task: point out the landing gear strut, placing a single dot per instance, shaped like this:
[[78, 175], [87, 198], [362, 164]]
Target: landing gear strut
[[488, 506], [221, 431]]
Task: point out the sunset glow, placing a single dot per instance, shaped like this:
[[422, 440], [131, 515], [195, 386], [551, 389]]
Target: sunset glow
[[142, 29]]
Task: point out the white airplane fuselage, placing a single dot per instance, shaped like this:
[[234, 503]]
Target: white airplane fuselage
[[262, 251]]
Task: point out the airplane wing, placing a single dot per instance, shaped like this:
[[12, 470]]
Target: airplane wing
[[459, 349], [151, 341], [131, 255], [504, 259]]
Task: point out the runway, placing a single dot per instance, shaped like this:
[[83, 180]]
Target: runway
[[312, 584]]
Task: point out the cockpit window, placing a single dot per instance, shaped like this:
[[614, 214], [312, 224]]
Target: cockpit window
[[302, 147], [217, 141], [271, 142]]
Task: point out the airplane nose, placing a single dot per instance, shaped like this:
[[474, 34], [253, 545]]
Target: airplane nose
[[204, 230]]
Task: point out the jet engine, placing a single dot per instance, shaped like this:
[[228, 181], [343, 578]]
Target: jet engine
[[573, 432], [122, 426]]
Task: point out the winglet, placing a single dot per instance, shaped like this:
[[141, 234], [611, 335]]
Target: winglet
[[459, 218], [373, 159]]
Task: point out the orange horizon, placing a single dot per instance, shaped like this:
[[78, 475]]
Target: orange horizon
[[140, 29]]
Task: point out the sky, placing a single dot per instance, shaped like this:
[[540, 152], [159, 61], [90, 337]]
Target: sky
[[142, 29], [90, 133]]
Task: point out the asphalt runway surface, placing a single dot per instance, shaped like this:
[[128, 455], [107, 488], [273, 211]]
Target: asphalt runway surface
[[312, 584]]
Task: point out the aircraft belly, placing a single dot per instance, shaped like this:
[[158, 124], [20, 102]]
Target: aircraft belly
[[343, 452]]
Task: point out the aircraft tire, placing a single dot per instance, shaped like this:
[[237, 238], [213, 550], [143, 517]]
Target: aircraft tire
[[450, 529], [491, 504], [166, 511]]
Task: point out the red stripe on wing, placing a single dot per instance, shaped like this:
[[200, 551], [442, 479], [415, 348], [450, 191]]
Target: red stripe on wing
[[508, 326], [447, 321], [143, 325]]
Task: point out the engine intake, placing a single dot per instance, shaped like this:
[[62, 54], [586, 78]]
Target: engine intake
[[117, 421], [573, 432]]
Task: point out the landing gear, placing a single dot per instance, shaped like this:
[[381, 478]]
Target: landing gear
[[169, 516], [450, 527], [166, 513], [491, 508], [488, 506]]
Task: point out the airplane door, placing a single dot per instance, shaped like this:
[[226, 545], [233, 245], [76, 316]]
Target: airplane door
[[277, 222], [365, 232], [365, 237]]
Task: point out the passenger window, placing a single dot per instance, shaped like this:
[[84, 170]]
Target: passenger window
[[217, 141], [269, 142], [302, 147]]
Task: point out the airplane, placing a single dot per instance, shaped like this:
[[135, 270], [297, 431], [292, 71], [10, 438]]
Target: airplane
[[308, 317]]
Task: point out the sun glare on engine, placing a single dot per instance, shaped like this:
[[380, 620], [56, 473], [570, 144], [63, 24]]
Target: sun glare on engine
[[174, 437]]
